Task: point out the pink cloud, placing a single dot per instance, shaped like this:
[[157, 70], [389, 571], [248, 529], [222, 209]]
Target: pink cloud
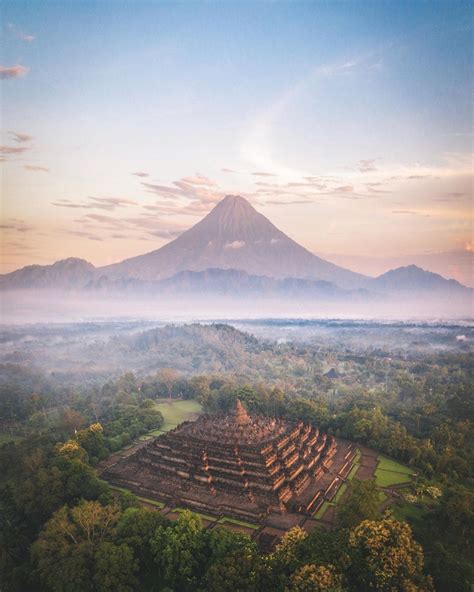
[[19, 137], [32, 167], [13, 149], [141, 174], [16, 71]]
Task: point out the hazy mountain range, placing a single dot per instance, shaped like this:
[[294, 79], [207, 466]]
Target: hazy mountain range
[[234, 250]]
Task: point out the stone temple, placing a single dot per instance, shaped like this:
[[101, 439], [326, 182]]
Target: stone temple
[[247, 467]]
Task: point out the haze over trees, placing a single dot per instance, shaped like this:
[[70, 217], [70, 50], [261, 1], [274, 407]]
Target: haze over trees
[[413, 403]]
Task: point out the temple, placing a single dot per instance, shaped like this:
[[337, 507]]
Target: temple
[[248, 467]]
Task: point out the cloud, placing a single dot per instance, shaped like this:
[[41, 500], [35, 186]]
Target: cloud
[[367, 166], [21, 35], [262, 174], [198, 179], [110, 203], [237, 244], [100, 203], [19, 137], [410, 213], [141, 174], [343, 189], [199, 192], [288, 203], [226, 170], [83, 234], [32, 167], [257, 145], [16, 225], [16, 71], [13, 149], [153, 225]]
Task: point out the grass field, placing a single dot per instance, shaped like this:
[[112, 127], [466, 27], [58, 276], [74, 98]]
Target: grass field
[[227, 520], [175, 412], [389, 472], [322, 510], [147, 500], [353, 471], [340, 492], [202, 516], [412, 513], [387, 464]]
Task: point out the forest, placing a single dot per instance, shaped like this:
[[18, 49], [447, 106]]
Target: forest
[[63, 528]]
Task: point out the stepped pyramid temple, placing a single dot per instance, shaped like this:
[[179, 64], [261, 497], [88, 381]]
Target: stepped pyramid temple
[[254, 468]]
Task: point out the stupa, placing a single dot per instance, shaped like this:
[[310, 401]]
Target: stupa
[[236, 464]]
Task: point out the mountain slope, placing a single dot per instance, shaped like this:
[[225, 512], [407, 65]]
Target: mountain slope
[[414, 279], [67, 273], [234, 236], [231, 283]]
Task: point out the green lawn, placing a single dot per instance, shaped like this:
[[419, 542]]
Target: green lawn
[[141, 499], [202, 516], [389, 478], [227, 520], [340, 492], [353, 471], [387, 464], [390, 472], [412, 513], [322, 510], [175, 412]]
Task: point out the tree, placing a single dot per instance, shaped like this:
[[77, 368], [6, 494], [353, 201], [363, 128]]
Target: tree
[[386, 558], [362, 504], [179, 552], [136, 528], [168, 376], [237, 571], [114, 568], [74, 551], [312, 578]]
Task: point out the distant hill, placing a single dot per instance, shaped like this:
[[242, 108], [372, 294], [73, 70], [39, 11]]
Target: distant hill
[[233, 251], [414, 279], [229, 283], [67, 274]]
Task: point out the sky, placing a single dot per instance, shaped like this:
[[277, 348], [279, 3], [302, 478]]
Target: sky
[[347, 124]]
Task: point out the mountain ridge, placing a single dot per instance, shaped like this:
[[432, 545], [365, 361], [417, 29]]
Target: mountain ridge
[[234, 236], [234, 249]]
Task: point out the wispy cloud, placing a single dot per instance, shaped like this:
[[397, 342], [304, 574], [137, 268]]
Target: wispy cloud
[[410, 213], [198, 179], [20, 137], [367, 165], [263, 174], [257, 142], [226, 170], [13, 149], [16, 225], [33, 167], [16, 71], [141, 174], [288, 203], [21, 35], [198, 192], [100, 203]]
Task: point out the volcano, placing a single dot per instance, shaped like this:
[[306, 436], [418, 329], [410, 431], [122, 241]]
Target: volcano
[[234, 236]]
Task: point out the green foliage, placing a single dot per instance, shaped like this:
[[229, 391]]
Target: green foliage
[[362, 503], [385, 557], [179, 552]]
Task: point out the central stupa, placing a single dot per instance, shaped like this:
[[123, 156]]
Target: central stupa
[[237, 464]]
